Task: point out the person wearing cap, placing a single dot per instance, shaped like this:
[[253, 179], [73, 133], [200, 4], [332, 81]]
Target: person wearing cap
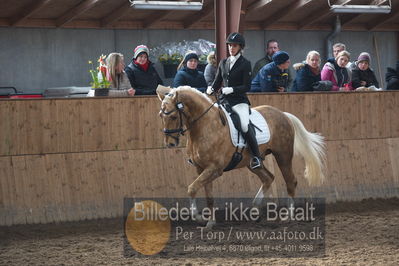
[[233, 78], [362, 74], [392, 77], [188, 75], [336, 71], [141, 72], [272, 47], [273, 77]]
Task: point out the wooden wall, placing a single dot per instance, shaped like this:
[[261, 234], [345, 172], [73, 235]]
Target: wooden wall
[[75, 159]]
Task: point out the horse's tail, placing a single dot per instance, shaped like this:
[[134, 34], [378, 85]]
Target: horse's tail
[[312, 148]]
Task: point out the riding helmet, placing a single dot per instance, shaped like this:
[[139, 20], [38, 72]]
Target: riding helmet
[[237, 38]]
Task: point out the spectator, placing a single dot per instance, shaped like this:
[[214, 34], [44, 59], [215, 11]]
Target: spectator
[[362, 75], [210, 69], [141, 72], [337, 48], [120, 85], [392, 78], [271, 48], [273, 77], [188, 75], [335, 70], [307, 73]]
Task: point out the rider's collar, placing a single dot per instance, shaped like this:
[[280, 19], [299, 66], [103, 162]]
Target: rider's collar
[[234, 58]]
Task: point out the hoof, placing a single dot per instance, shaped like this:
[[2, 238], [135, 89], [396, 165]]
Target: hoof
[[191, 191], [198, 218], [290, 202], [257, 202], [209, 225]]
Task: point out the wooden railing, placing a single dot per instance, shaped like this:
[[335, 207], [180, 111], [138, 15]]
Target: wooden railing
[[74, 159]]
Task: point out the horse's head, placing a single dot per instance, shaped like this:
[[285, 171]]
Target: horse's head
[[171, 114]]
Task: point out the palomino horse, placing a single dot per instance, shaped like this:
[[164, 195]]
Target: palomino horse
[[209, 147]]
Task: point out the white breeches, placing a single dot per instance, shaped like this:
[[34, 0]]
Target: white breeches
[[242, 109]]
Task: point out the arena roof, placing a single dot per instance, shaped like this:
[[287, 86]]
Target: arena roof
[[256, 14]]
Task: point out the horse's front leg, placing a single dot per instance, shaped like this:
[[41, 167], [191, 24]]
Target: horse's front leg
[[203, 180], [210, 202]]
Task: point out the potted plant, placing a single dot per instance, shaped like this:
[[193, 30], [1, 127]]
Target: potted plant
[[202, 62], [170, 63], [99, 83]]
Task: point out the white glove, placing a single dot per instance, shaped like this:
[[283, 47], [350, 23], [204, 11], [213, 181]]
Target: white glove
[[209, 90], [227, 90]]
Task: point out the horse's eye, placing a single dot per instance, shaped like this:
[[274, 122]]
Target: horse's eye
[[173, 117]]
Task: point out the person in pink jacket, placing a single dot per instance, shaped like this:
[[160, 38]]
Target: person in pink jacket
[[335, 70]]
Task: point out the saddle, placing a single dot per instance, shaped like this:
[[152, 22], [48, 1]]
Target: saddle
[[256, 120]]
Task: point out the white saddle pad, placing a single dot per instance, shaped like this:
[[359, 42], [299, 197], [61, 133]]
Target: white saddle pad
[[258, 120]]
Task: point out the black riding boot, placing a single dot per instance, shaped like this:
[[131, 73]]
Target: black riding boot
[[250, 137]]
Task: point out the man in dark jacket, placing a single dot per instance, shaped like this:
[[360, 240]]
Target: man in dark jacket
[[272, 47], [141, 72], [274, 76], [392, 78]]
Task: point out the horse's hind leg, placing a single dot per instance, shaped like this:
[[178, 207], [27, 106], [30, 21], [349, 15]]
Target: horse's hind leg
[[266, 178], [285, 164]]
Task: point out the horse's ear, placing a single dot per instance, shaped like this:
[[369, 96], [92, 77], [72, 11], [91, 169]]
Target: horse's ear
[[162, 91], [175, 96]]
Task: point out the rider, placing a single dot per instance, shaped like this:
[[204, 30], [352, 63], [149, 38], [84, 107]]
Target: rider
[[235, 73]]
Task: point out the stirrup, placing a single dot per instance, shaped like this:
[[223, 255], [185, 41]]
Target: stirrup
[[255, 163], [190, 161]]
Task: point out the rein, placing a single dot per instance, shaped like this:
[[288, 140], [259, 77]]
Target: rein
[[180, 131], [220, 110]]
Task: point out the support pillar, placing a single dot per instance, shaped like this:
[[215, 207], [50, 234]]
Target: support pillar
[[227, 18]]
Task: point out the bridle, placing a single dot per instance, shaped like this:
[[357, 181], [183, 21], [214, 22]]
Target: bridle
[[179, 107]]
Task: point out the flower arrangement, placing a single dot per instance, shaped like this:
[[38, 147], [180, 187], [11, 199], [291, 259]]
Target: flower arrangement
[[99, 75], [202, 58], [173, 59]]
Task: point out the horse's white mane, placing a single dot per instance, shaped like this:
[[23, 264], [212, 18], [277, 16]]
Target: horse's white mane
[[188, 88]]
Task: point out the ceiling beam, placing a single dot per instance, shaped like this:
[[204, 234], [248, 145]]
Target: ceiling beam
[[352, 17], [28, 10], [257, 5], [192, 19], [383, 18], [378, 2], [349, 18], [283, 12], [320, 14], [204, 25], [155, 17], [115, 15], [75, 11]]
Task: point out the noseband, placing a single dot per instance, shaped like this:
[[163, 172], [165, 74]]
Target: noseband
[[179, 107]]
